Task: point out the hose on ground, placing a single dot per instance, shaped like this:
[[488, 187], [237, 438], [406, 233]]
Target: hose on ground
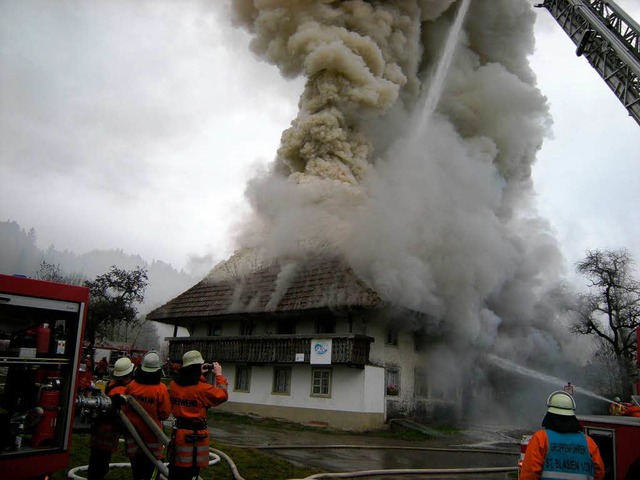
[[411, 471], [232, 465], [398, 472], [496, 451], [215, 455]]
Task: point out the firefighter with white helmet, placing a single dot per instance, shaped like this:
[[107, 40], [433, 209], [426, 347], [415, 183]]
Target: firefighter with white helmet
[[106, 428], [191, 396], [153, 396], [560, 449]]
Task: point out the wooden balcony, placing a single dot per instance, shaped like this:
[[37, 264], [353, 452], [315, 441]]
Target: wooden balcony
[[351, 350]]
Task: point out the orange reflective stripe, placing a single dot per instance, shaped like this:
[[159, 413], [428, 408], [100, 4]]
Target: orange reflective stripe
[[190, 453], [105, 443], [132, 449], [156, 449]]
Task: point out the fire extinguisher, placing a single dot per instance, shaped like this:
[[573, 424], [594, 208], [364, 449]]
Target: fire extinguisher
[[49, 401], [43, 334]]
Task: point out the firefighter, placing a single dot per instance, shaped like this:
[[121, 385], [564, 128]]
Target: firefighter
[[105, 429], [153, 396], [102, 367], [616, 407], [191, 396], [560, 449]]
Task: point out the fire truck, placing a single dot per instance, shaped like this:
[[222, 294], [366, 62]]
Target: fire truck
[[618, 438], [41, 331]]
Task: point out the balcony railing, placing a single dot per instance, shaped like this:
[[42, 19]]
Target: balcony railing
[[352, 350]]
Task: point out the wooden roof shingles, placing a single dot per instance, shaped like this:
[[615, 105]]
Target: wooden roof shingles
[[285, 287]]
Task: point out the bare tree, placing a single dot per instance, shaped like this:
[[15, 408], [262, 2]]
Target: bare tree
[[610, 311]]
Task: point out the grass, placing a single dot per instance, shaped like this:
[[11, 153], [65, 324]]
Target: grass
[[253, 464]]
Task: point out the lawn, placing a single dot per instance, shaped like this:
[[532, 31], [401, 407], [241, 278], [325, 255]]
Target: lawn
[[251, 463]]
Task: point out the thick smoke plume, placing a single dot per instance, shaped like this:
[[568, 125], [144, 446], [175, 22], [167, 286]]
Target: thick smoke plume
[[437, 214]]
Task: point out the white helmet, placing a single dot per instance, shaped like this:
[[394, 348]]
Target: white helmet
[[192, 357], [122, 367], [151, 362], [561, 403]]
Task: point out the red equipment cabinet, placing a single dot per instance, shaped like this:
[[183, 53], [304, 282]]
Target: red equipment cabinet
[[618, 438], [41, 331]]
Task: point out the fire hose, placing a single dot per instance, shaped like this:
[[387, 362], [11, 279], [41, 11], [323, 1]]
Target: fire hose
[[104, 404], [217, 454]]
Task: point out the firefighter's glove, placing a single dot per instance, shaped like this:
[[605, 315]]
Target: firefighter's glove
[[118, 401]]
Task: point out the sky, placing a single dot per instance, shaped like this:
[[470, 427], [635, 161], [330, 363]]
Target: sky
[[136, 125]]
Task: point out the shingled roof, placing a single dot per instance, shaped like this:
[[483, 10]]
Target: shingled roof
[[285, 287]]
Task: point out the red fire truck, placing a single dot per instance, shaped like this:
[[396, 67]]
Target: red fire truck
[[618, 438], [41, 331]]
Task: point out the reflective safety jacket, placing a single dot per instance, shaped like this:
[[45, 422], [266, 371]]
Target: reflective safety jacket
[[189, 404], [106, 427], [568, 456], [155, 400]]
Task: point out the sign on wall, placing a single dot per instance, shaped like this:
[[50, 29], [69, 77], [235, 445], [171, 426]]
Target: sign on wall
[[320, 351]]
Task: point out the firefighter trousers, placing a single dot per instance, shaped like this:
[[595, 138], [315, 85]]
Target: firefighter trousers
[[99, 460], [183, 473]]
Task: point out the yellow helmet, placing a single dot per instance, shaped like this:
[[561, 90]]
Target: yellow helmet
[[561, 403]]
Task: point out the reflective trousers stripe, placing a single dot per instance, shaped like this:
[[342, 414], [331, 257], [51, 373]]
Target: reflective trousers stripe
[[184, 456], [105, 442], [132, 450], [564, 476]]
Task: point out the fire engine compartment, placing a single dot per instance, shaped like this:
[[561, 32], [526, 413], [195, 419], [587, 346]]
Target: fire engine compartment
[[617, 439], [40, 334]]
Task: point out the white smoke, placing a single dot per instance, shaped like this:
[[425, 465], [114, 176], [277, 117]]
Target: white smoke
[[440, 220]]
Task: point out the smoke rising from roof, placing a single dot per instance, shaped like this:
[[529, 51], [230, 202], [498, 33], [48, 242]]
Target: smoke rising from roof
[[438, 220]]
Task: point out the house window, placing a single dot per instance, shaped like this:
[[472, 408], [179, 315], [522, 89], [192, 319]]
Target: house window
[[422, 387], [282, 380], [392, 375], [246, 327], [286, 327], [392, 337], [214, 329], [321, 382], [243, 378], [326, 325]]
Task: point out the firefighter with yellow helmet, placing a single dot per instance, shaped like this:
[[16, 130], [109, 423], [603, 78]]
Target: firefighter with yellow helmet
[[560, 449], [191, 396]]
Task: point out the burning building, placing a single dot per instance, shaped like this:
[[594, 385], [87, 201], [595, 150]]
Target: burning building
[[410, 163]]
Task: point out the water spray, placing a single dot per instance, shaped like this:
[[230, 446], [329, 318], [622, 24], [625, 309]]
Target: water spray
[[514, 367]]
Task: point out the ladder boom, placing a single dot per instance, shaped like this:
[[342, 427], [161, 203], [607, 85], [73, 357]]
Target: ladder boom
[[609, 39]]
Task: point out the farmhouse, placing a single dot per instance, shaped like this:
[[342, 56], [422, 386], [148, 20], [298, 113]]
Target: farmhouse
[[309, 342]]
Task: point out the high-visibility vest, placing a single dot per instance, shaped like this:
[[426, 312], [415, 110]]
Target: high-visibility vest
[[567, 458]]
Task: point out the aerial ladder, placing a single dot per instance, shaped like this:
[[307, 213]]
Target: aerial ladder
[[609, 39]]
